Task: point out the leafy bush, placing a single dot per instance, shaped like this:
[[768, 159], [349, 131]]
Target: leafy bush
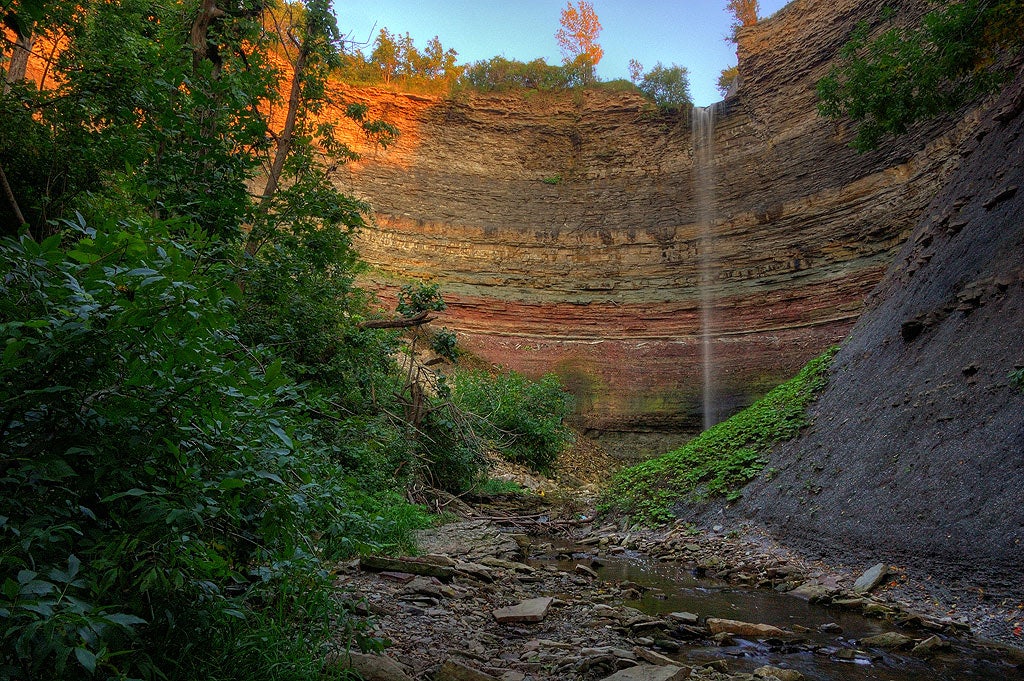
[[1017, 378], [523, 419], [420, 297], [445, 343], [722, 459]]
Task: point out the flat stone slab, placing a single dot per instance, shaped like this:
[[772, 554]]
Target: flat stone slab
[[890, 640], [871, 579], [737, 628], [650, 672], [406, 565], [372, 667], [470, 540], [532, 610], [453, 670]]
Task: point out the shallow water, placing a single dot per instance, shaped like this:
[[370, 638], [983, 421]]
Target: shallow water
[[673, 588]]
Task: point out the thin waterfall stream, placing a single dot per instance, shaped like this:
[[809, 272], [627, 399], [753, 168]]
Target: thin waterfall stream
[[704, 178]]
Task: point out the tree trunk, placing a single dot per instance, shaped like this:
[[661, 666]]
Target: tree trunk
[[200, 35], [11, 198], [19, 60], [284, 140]]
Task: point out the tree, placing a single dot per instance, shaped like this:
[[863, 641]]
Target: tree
[[386, 55], [668, 86], [636, 71], [744, 13], [577, 38], [887, 83], [727, 78]]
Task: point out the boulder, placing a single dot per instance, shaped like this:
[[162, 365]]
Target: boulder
[[650, 672], [890, 640], [770, 673], [737, 628], [372, 667]]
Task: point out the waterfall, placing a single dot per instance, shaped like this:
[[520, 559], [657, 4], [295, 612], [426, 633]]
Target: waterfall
[[703, 129]]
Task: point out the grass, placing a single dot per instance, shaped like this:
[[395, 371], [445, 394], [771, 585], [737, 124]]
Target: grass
[[492, 487], [722, 459]]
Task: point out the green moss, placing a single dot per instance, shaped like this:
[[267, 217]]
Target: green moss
[[722, 459]]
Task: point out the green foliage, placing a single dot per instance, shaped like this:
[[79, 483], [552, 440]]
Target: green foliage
[[523, 419], [887, 83], [499, 74], [156, 470], [1017, 378], [445, 343], [722, 459], [667, 86], [493, 487], [420, 297], [727, 78], [553, 180]]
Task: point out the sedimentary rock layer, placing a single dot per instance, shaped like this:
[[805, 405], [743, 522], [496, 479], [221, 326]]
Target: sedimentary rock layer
[[564, 230]]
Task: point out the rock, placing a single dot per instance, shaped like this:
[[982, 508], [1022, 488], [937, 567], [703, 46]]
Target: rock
[[811, 592], [582, 569], [452, 670], [877, 610], [513, 676], [407, 565], [871, 579], [653, 657], [930, 645], [851, 603], [532, 610], [650, 672], [400, 577], [511, 565], [683, 617], [735, 627], [777, 674], [471, 540], [890, 640], [372, 667], [830, 628]]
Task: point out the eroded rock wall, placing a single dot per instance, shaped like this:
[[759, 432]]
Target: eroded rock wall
[[564, 230], [916, 455]]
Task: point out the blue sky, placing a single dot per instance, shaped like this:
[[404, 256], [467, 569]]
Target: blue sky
[[689, 33]]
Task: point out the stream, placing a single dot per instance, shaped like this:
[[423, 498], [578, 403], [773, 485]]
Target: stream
[[668, 587]]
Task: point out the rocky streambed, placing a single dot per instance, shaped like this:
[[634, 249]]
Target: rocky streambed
[[485, 601]]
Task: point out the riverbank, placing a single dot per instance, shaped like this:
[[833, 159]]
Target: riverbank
[[596, 599]]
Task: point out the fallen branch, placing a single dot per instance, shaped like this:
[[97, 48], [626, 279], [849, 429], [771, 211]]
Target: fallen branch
[[418, 319]]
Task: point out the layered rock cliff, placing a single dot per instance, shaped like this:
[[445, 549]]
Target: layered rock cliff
[[564, 230]]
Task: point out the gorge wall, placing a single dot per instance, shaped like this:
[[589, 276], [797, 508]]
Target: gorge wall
[[564, 232]]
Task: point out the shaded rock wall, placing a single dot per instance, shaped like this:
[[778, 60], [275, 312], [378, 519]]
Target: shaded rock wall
[[917, 449], [564, 231]]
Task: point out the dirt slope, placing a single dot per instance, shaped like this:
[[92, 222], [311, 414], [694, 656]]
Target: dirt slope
[[917, 450]]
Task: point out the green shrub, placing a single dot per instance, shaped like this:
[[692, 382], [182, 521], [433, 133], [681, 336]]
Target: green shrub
[[420, 297], [523, 419], [165, 504], [722, 459], [1017, 378]]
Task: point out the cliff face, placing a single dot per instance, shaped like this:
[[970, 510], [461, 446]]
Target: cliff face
[[565, 233], [920, 434]]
